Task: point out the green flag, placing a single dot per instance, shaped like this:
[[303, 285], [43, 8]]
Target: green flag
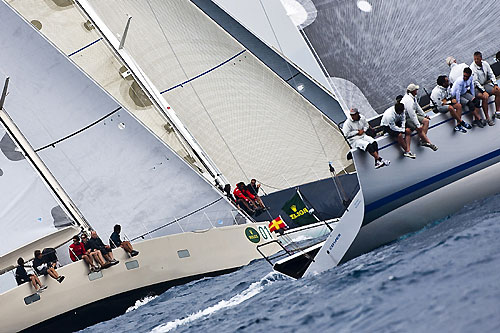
[[297, 210]]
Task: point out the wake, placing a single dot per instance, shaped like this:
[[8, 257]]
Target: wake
[[254, 289]]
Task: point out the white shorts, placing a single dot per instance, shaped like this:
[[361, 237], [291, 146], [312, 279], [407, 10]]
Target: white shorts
[[362, 141]]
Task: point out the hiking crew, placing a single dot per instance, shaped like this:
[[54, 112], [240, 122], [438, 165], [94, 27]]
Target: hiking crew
[[442, 100], [354, 129], [482, 73]]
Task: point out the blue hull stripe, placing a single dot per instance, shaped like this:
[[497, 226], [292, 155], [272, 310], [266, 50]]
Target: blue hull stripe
[[432, 180]]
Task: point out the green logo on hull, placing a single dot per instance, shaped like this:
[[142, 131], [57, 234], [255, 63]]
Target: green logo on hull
[[252, 235]]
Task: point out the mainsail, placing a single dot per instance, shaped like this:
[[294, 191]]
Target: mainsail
[[114, 169], [250, 121]]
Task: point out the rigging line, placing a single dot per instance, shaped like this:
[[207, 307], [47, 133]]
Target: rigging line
[[177, 220], [205, 72], [83, 48], [79, 131], [196, 93], [293, 78]]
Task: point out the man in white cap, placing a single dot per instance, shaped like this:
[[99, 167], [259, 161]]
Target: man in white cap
[[354, 130], [456, 70], [483, 73], [416, 120]]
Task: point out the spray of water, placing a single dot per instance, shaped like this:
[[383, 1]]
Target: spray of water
[[254, 289]]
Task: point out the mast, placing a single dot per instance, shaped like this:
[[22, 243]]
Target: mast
[[148, 86], [37, 163]]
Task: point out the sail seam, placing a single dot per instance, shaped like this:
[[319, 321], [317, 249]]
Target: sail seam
[[83, 48], [204, 73], [177, 220], [79, 131]]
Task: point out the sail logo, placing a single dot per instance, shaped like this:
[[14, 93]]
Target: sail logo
[[252, 235], [297, 213]]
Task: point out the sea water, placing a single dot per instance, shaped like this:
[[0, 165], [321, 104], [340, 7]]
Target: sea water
[[444, 278]]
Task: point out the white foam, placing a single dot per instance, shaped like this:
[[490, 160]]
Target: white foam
[[141, 302], [254, 289]]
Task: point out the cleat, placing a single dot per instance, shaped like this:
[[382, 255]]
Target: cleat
[[386, 162], [379, 164], [459, 128], [483, 122], [491, 122]]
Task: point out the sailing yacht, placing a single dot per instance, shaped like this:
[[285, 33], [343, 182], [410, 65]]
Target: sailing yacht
[[73, 158]]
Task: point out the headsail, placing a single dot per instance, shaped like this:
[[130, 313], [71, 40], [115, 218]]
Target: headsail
[[28, 209], [247, 119], [113, 168]]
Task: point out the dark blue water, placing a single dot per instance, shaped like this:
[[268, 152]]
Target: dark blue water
[[445, 278]]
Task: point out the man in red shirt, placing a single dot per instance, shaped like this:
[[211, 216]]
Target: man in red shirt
[[77, 252], [245, 198]]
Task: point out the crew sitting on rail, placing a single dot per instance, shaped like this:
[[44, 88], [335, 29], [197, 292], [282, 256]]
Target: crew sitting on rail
[[96, 254], [253, 188], [354, 129], [43, 268], [394, 121], [456, 70], [96, 244], [416, 120], [245, 198], [115, 241], [463, 90], [77, 252], [443, 102], [22, 277], [482, 73]]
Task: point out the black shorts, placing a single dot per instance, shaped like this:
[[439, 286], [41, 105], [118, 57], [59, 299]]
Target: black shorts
[[80, 256], [391, 132], [43, 271]]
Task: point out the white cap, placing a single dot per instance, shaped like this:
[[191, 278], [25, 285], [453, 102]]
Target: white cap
[[353, 111], [450, 60], [412, 87]]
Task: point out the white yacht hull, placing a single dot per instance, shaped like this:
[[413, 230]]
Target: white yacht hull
[[409, 194], [78, 302]]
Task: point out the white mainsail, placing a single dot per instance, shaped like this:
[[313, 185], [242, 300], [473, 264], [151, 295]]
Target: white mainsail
[[248, 120], [113, 168]]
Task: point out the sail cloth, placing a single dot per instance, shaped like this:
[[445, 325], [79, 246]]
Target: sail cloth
[[249, 121], [112, 167], [26, 212]]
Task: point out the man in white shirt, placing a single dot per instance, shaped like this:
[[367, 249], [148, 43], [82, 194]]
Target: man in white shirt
[[456, 70], [354, 129], [463, 91], [416, 120], [483, 73], [442, 101], [394, 123]]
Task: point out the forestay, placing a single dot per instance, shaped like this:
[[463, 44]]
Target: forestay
[[249, 121], [28, 211], [113, 168]]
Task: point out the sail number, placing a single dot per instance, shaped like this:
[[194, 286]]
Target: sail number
[[265, 232]]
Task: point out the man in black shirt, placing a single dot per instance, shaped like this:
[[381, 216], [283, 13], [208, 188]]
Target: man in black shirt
[[95, 243], [253, 188], [22, 277], [42, 268], [115, 241]]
